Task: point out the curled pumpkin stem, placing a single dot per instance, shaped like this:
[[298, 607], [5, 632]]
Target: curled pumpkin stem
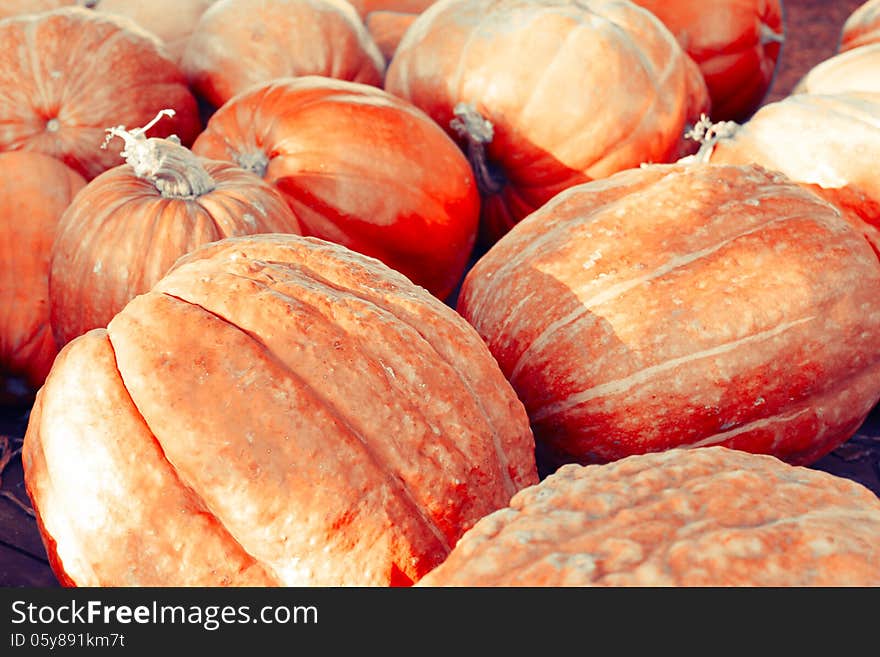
[[478, 132], [708, 134], [176, 171]]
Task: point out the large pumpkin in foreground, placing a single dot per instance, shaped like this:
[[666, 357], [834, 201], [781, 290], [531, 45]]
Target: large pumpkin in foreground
[[540, 93], [358, 167], [67, 74], [684, 305], [278, 410], [707, 517], [35, 190], [736, 44]]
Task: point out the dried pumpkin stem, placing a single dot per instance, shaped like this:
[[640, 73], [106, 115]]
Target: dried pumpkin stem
[[478, 132], [707, 134], [176, 171]]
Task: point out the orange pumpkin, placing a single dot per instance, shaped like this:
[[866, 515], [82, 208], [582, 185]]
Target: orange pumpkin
[[857, 69], [541, 93], [861, 27], [240, 43], [67, 74], [828, 142], [388, 20], [682, 306], [736, 44], [34, 190], [277, 410], [359, 167], [171, 20], [131, 223], [707, 517]]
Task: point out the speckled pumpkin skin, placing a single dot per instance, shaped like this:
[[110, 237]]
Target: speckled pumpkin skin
[[277, 410], [684, 305], [707, 517]]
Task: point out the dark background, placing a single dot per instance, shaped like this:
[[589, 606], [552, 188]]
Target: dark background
[[812, 29]]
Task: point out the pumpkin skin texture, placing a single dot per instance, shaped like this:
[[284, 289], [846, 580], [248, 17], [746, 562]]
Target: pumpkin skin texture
[[862, 27], [853, 70], [27, 230], [170, 20], [19, 7], [388, 20], [240, 43], [827, 142], [129, 225], [705, 517], [683, 306], [555, 81], [250, 445], [358, 167], [67, 74], [736, 44]]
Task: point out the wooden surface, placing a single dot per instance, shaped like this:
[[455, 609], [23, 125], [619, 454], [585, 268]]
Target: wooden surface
[[812, 31]]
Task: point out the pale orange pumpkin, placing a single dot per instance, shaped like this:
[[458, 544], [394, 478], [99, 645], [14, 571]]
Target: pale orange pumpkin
[[684, 305], [240, 43], [18, 7], [277, 410], [707, 517], [35, 189], [388, 20], [857, 69], [67, 74], [546, 94], [131, 223], [861, 27]]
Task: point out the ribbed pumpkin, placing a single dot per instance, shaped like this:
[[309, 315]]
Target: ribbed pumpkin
[[388, 20], [170, 20], [707, 517], [359, 167], [682, 306], [861, 27], [239, 43], [277, 410], [546, 94], [736, 44], [67, 74], [131, 223], [35, 189], [857, 69], [829, 142]]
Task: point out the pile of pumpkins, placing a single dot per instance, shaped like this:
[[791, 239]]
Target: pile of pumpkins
[[453, 293]]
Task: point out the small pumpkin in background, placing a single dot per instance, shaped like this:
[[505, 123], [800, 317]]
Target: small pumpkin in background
[[277, 410], [67, 74], [540, 93], [706, 517], [684, 305], [736, 44], [857, 69], [861, 27], [171, 20], [388, 20], [131, 223], [240, 43], [35, 189], [359, 167], [830, 143]]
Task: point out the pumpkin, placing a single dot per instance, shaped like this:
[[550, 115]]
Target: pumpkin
[[171, 20], [66, 74], [735, 43], [34, 191], [388, 20], [359, 167], [828, 142], [240, 43], [684, 305], [131, 223], [540, 93], [277, 410], [707, 517], [861, 27], [852, 70], [18, 7]]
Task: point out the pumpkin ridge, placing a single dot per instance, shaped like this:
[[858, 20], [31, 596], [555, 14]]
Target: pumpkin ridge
[[406, 494], [189, 490]]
